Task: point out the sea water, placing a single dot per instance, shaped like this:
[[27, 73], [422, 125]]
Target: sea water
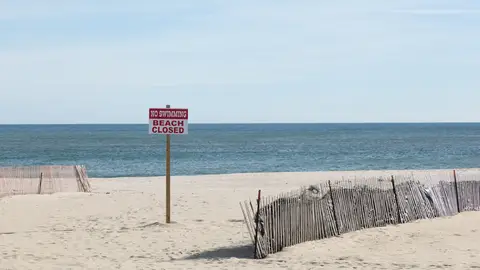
[[128, 150]]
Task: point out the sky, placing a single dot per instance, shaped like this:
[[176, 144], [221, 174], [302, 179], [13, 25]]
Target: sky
[[244, 61]]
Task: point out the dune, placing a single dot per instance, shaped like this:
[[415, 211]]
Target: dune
[[120, 225]]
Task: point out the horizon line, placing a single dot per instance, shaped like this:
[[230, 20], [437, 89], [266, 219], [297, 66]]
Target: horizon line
[[245, 123]]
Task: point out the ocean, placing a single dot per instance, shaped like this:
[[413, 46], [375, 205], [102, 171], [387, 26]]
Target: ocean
[[128, 150]]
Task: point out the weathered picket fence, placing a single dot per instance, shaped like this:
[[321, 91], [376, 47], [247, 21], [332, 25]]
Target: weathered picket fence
[[43, 180], [336, 207]]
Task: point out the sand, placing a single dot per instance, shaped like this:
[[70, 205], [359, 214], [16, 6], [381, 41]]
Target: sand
[[121, 226]]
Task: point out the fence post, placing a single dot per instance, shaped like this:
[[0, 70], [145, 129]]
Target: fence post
[[456, 190], [399, 217], [40, 183], [333, 208], [257, 221]]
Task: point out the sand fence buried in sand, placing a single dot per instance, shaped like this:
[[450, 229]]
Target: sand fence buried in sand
[[43, 180], [336, 207]]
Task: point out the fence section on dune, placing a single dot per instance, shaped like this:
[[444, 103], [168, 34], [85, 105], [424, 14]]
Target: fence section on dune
[[43, 180], [333, 208]]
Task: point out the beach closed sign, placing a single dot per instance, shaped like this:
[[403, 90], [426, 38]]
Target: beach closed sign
[[168, 121]]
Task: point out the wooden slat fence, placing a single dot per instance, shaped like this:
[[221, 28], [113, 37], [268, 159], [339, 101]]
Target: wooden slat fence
[[336, 207], [43, 180]]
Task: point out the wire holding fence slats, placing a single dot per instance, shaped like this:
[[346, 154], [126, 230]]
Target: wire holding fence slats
[[337, 207]]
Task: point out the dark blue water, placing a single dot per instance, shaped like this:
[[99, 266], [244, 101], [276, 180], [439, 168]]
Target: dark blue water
[[128, 150]]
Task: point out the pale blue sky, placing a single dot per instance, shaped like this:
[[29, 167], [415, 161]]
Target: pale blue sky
[[95, 61]]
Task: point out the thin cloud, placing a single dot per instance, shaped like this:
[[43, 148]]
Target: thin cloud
[[439, 11]]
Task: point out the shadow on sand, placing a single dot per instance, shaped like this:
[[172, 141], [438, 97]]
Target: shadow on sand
[[239, 252]]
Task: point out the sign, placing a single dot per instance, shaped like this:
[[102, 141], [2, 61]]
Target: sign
[[168, 121]]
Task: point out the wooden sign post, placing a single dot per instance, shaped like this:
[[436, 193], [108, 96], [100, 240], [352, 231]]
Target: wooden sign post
[[167, 122], [167, 178]]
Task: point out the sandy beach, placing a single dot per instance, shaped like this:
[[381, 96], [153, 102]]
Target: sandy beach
[[120, 225]]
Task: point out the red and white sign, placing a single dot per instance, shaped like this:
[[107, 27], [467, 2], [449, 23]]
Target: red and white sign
[[168, 121]]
